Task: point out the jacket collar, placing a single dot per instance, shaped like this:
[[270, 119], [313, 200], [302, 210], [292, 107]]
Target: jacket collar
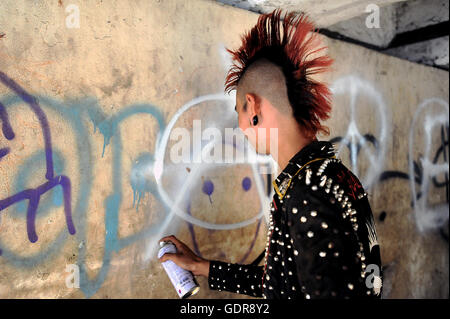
[[316, 150]]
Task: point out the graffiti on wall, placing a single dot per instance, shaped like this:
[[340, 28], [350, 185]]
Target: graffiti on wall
[[429, 168], [145, 177]]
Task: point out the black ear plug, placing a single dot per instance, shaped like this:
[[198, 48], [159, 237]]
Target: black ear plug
[[255, 120]]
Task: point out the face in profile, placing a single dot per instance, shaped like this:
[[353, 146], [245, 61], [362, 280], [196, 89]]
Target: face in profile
[[262, 133]]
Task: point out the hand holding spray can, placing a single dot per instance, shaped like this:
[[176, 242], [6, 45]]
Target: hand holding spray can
[[182, 279]]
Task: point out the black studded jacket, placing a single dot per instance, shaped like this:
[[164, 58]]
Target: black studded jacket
[[321, 242]]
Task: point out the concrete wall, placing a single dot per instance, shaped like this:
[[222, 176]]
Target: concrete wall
[[324, 12], [109, 92]]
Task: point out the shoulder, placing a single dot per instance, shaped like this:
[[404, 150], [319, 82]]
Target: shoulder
[[317, 213], [327, 178], [314, 177], [323, 191]]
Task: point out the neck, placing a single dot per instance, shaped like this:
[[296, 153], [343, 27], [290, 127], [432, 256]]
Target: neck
[[291, 144]]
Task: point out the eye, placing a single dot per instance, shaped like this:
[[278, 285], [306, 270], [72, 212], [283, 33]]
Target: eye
[[246, 183]]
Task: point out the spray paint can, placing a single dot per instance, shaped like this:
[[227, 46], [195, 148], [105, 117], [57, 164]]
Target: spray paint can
[[182, 279]]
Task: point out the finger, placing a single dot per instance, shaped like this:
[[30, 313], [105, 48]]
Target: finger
[[174, 240], [169, 256], [168, 238]]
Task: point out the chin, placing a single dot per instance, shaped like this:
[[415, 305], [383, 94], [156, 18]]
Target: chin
[[261, 152]]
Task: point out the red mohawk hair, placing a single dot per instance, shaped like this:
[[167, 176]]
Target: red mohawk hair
[[291, 50]]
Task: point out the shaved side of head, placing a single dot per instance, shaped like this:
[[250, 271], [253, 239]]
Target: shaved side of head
[[265, 80]]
